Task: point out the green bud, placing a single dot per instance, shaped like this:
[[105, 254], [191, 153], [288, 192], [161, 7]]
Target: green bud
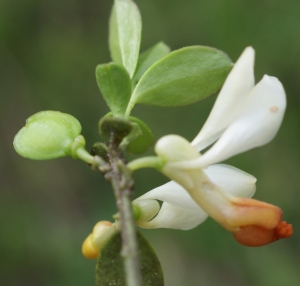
[[100, 149], [47, 135], [114, 126]]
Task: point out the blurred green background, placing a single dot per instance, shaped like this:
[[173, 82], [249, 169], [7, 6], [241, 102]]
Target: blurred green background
[[48, 54]]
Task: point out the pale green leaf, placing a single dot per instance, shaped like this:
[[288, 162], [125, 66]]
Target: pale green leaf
[[115, 86], [114, 41], [148, 58], [183, 77], [125, 34]]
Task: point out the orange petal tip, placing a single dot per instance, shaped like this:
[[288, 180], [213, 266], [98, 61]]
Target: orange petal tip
[[254, 236]]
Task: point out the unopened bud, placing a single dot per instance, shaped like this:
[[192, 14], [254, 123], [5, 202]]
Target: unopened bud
[[88, 250], [93, 244], [47, 135]]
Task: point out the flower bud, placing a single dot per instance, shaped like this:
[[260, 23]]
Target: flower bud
[[47, 135], [93, 244], [88, 250], [101, 150], [119, 127]]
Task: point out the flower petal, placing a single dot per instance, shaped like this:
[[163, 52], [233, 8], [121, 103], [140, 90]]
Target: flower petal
[[179, 210], [230, 99], [232, 180], [171, 193], [256, 125], [171, 216]]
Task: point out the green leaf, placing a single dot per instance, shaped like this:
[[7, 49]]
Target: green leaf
[[110, 269], [148, 58], [115, 86], [142, 142], [183, 77], [125, 34], [47, 135]]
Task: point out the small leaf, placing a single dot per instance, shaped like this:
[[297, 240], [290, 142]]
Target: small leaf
[[143, 141], [115, 86], [47, 135], [183, 77], [110, 269], [125, 34], [148, 58]]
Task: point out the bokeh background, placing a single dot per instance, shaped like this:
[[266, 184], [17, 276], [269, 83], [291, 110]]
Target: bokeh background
[[48, 53]]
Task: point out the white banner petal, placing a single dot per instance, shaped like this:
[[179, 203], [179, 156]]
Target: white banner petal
[[256, 125], [230, 99]]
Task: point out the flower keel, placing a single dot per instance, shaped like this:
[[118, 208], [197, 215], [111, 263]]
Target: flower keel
[[253, 235]]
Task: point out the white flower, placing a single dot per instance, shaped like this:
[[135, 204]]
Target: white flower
[[179, 210], [244, 117]]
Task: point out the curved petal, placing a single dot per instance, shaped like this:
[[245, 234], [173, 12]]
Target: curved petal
[[232, 180], [256, 125], [230, 99], [171, 216], [171, 193], [147, 209], [179, 210]]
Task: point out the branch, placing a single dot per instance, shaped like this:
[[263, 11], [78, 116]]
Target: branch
[[122, 183]]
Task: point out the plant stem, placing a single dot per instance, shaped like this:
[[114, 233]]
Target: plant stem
[[122, 183], [146, 162]]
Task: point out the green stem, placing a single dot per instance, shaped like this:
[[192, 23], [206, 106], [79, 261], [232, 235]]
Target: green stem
[[146, 162], [122, 183], [129, 108], [84, 155]]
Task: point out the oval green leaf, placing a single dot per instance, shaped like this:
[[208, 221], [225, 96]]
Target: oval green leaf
[[148, 58], [125, 28], [110, 269], [47, 135], [183, 77], [115, 85]]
